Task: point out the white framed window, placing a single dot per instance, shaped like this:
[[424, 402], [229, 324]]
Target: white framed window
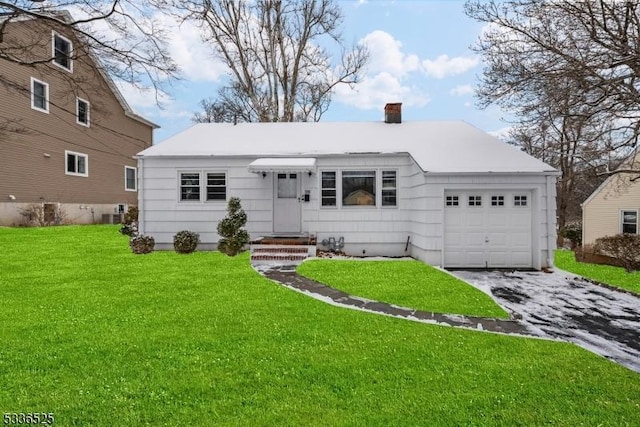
[[359, 188], [39, 95], [189, 186], [389, 188], [497, 201], [62, 51], [329, 190], [452, 201], [520, 200], [475, 201], [629, 221], [82, 112], [216, 186], [130, 178], [76, 164]]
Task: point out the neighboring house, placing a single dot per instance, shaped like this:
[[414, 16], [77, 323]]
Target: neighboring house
[[443, 192], [613, 208], [67, 136]]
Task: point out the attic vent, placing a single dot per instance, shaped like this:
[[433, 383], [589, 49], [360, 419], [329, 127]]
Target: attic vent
[[393, 113]]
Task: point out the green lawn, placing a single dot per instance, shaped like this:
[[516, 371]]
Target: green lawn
[[101, 337], [405, 283], [615, 276]]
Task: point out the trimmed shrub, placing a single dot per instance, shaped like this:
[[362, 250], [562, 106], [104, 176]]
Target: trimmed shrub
[[130, 230], [131, 216], [624, 247], [234, 236], [142, 244], [573, 232], [185, 242]]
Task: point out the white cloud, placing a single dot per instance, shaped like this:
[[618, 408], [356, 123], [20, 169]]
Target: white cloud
[[375, 91], [461, 90], [443, 66], [386, 54]]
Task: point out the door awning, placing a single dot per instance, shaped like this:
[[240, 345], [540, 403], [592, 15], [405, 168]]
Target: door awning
[[283, 164]]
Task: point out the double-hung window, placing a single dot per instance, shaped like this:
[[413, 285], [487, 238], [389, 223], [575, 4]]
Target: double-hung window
[[216, 186], [130, 178], [39, 95], [76, 163], [629, 221], [359, 188], [389, 188], [329, 190], [62, 52], [190, 186], [82, 112]]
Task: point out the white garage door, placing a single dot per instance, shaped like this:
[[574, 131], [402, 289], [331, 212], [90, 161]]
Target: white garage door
[[485, 229]]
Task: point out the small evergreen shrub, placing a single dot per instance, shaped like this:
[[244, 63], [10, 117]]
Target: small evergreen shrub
[[131, 216], [573, 232], [142, 244], [624, 247], [185, 242], [234, 236], [130, 230]]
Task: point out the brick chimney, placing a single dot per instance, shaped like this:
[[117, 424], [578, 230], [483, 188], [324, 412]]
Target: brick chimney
[[393, 112]]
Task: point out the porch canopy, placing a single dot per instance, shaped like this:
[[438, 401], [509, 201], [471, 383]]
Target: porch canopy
[[283, 164]]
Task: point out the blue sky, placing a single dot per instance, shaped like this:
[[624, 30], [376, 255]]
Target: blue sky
[[420, 56]]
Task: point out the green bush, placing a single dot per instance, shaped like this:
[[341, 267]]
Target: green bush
[[185, 242], [234, 236], [573, 232], [624, 247], [142, 244]]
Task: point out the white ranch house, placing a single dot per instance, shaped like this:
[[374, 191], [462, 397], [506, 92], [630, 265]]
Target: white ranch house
[[442, 192]]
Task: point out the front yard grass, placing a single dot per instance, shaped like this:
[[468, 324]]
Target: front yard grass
[[100, 336], [614, 276], [407, 283]]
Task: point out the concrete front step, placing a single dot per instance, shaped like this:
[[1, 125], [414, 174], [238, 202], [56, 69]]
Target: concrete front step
[[281, 254]]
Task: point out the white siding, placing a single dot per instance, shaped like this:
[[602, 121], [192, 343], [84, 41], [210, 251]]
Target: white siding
[[375, 230]]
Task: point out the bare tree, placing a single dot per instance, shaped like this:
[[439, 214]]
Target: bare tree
[[276, 51], [581, 57]]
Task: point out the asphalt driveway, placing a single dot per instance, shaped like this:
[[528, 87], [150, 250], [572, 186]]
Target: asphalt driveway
[[561, 305]]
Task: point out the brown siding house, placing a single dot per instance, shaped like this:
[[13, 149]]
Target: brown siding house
[[67, 136]]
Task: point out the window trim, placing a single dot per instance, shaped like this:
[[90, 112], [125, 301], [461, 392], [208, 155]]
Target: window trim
[[88, 113], [621, 219], [335, 188], [66, 163], [135, 178], [382, 188], [46, 96], [205, 182], [180, 173], [53, 51]]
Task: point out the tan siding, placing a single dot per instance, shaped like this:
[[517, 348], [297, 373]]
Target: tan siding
[[32, 161], [601, 214]]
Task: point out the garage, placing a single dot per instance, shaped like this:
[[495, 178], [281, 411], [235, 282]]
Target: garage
[[488, 229]]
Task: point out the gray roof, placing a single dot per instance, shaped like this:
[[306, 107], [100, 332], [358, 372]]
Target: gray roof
[[436, 146]]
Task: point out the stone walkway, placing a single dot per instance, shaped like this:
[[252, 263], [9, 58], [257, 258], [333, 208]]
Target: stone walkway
[[287, 276]]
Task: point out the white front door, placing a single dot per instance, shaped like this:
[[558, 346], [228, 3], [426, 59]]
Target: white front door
[[286, 202], [484, 229]]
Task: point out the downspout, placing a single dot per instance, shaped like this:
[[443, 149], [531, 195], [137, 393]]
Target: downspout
[[140, 195], [551, 223]]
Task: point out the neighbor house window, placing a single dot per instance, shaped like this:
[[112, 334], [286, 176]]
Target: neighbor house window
[[629, 222], [452, 201], [519, 200], [76, 163], [216, 186], [475, 200], [39, 95], [497, 200], [389, 188], [62, 51], [189, 186], [329, 189], [130, 178], [359, 188], [82, 111]]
